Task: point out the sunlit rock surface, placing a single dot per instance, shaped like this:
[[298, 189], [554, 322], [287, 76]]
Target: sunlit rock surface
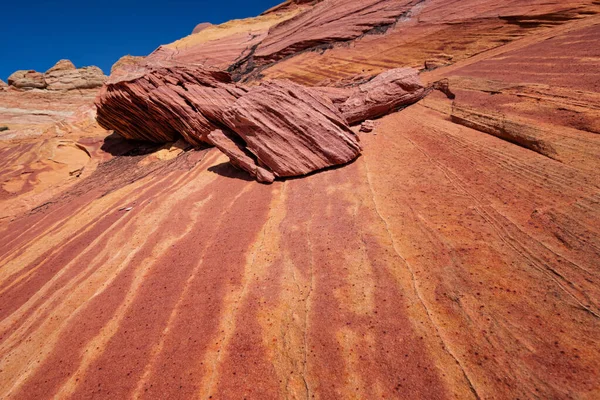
[[27, 79], [456, 258], [287, 129], [126, 61]]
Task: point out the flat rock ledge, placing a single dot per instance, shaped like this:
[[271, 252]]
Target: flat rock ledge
[[275, 130]]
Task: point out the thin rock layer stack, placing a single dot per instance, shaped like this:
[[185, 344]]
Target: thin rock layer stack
[[277, 129]]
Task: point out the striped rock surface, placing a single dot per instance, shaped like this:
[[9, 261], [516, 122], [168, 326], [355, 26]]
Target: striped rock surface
[[287, 130], [457, 258]]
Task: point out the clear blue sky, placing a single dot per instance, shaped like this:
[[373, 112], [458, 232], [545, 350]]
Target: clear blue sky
[[35, 34]]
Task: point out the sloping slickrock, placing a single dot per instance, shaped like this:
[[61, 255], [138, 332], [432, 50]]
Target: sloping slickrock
[[328, 22], [225, 44], [27, 79], [291, 129], [383, 94], [3, 84], [451, 30]]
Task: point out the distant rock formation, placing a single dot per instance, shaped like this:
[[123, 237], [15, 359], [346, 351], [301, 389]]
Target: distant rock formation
[[62, 65], [200, 27], [62, 76], [27, 79], [127, 60], [277, 129]]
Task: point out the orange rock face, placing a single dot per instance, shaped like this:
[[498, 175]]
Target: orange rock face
[[456, 258]]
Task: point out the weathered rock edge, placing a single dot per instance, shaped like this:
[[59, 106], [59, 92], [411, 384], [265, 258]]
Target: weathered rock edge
[[277, 129]]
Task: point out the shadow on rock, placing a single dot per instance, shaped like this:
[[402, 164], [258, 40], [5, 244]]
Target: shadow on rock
[[229, 171], [116, 145]]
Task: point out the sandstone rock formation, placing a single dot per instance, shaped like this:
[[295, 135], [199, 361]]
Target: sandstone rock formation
[[200, 27], [62, 76], [457, 258], [126, 61], [223, 45], [289, 130], [367, 126], [383, 94], [160, 102], [27, 79], [2, 84], [62, 65], [327, 23]]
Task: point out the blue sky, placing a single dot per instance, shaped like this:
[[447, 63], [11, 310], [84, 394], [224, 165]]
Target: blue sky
[[35, 34]]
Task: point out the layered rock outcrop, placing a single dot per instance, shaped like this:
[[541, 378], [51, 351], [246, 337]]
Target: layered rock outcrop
[[2, 84], [62, 76], [62, 65], [124, 61], [328, 22], [458, 258], [277, 129], [284, 128], [383, 94], [27, 79], [290, 129]]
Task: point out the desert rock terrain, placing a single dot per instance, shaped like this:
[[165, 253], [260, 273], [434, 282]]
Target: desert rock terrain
[[456, 257]]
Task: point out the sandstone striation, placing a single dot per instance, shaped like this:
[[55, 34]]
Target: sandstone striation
[[383, 94], [457, 258], [62, 76], [27, 79], [289, 130], [328, 22], [160, 102], [126, 61]]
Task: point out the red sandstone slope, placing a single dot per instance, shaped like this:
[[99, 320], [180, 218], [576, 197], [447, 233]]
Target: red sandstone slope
[[458, 257]]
